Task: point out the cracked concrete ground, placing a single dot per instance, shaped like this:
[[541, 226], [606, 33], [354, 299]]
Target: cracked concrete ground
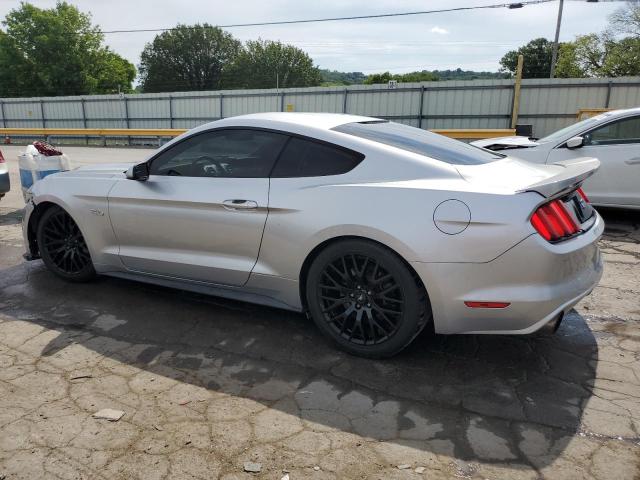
[[208, 384]]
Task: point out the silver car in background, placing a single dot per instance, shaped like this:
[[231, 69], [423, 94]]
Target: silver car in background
[[611, 137], [375, 229]]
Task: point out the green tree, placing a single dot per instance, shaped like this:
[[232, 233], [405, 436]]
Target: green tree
[[423, 76], [605, 54], [110, 71], [537, 59], [568, 65], [626, 20], [334, 77], [267, 64], [600, 55], [187, 57], [378, 78], [57, 51]]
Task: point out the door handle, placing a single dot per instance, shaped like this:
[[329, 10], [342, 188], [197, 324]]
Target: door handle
[[240, 204], [633, 161]]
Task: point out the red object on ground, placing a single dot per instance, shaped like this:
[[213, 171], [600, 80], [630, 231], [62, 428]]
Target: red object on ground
[[45, 149]]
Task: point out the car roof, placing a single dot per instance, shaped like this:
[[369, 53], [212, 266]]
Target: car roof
[[618, 113], [324, 121]]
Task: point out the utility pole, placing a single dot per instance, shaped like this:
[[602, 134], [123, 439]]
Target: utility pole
[[554, 55]]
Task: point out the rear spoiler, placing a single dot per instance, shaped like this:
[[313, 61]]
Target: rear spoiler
[[575, 172]]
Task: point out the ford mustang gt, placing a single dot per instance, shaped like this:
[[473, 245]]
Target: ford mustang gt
[[375, 229]]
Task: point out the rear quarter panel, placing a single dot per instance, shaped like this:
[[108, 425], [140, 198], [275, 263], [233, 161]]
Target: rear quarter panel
[[304, 212]]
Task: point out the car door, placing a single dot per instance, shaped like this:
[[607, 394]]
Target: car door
[[201, 213], [617, 146]]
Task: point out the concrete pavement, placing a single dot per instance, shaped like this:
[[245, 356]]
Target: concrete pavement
[[210, 386]]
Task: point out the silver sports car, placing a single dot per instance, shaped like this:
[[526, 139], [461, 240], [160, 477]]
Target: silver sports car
[[375, 229]]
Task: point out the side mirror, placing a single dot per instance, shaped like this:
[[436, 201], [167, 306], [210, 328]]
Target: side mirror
[[575, 142], [138, 172]]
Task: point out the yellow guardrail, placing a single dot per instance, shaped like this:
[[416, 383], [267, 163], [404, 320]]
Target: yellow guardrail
[[174, 132]]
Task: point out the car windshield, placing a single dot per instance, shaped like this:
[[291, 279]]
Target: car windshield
[[572, 130], [419, 141]]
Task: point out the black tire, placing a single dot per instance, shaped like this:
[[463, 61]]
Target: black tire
[[365, 299], [62, 246]]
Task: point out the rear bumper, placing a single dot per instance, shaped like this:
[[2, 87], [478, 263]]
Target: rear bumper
[[541, 281]]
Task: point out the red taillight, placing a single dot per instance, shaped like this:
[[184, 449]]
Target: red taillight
[[1, 158], [583, 195], [553, 222]]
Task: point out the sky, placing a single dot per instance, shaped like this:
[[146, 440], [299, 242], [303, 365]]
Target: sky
[[471, 40]]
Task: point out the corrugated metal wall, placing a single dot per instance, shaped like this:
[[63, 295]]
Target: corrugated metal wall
[[546, 104]]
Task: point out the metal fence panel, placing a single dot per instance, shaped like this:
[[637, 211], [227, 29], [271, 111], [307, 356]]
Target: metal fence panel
[[27, 114], [332, 101], [623, 96], [547, 104]]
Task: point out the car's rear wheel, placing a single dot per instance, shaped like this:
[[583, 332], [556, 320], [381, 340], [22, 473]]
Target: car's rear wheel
[[364, 298], [62, 246]]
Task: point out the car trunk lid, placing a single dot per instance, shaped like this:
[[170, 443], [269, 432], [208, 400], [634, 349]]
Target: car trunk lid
[[564, 212], [511, 175]]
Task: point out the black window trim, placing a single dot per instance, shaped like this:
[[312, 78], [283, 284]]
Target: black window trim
[[359, 155]]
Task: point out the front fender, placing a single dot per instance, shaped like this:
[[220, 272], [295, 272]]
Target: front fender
[[86, 201]]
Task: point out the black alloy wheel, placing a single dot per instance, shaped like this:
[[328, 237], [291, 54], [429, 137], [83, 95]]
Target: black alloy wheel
[[365, 298], [360, 300], [62, 246]]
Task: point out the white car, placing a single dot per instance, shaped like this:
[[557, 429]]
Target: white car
[[612, 137]]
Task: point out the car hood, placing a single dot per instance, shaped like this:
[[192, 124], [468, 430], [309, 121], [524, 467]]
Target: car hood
[[503, 143], [511, 175], [104, 168]]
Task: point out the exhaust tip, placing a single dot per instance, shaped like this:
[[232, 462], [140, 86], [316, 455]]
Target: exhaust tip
[[558, 321], [552, 326]]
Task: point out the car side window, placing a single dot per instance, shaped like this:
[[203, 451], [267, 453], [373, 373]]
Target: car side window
[[623, 131], [235, 153], [306, 158]]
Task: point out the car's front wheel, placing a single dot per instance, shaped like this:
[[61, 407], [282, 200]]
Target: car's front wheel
[[62, 246], [364, 298]]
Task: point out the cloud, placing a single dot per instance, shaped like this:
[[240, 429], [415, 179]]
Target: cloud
[[439, 30]]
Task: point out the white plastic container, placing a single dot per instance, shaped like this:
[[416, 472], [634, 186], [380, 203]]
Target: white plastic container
[[28, 172], [48, 165], [34, 166]]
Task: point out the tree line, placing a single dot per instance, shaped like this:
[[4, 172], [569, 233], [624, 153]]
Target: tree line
[[615, 52], [58, 51]]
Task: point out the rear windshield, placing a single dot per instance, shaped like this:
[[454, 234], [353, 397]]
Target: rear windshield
[[420, 141]]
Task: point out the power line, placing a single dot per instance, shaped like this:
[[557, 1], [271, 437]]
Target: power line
[[337, 19]]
